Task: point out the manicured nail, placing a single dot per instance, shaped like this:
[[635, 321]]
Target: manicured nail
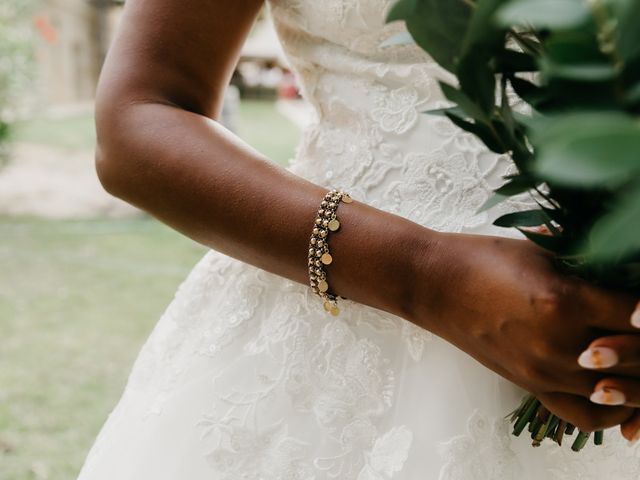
[[608, 396], [598, 357], [635, 316], [540, 229]]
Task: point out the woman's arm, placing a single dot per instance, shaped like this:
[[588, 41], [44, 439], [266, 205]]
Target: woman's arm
[[160, 148]]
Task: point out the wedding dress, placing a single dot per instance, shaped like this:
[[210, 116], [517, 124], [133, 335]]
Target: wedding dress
[[246, 376]]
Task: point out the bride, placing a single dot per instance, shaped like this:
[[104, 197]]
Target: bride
[[444, 325]]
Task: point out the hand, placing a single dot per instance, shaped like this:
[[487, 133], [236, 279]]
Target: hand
[[504, 302], [618, 358]]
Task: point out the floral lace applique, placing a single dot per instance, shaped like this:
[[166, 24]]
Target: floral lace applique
[[614, 459], [483, 452], [388, 454], [340, 380], [398, 111], [252, 454]]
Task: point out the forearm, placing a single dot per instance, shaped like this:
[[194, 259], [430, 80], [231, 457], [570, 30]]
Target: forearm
[[192, 174]]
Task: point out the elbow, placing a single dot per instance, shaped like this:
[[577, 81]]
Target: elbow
[[106, 172], [108, 167], [112, 163], [104, 157]]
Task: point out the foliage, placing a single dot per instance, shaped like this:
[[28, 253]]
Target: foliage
[[4, 136], [576, 63], [16, 59]]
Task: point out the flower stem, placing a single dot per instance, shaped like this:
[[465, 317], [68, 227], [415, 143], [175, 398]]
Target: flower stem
[[580, 441], [526, 416], [551, 431], [542, 430], [598, 437], [542, 424], [560, 432]]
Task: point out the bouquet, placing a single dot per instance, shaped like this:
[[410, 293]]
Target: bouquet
[[576, 64]]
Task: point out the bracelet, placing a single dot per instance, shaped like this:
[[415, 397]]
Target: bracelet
[[319, 255]]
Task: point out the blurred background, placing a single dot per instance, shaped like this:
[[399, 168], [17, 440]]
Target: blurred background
[[84, 276]]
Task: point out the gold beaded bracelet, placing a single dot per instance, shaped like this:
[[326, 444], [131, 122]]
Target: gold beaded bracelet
[[319, 255]]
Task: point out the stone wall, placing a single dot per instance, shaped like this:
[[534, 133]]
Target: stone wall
[[72, 37]]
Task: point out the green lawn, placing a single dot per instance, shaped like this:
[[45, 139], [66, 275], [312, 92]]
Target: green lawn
[[269, 132], [259, 124], [74, 133], [77, 299]]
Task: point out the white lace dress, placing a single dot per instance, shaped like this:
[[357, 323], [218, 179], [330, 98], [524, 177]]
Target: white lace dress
[[246, 377]]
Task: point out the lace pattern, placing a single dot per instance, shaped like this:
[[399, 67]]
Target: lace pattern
[[284, 393]]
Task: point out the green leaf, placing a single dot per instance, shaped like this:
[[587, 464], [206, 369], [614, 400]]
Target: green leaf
[[5, 131], [437, 26], [627, 15], [402, 10], [463, 101], [587, 149], [633, 95], [441, 112], [530, 46], [617, 234], [516, 185], [483, 29], [555, 214], [506, 112], [583, 72], [483, 132], [576, 57], [554, 14], [510, 61], [528, 218], [478, 81], [492, 201], [483, 38], [527, 91], [527, 120]]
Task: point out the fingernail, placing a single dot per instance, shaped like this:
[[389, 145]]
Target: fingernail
[[540, 229], [598, 357], [608, 396], [635, 316], [635, 438], [543, 230]]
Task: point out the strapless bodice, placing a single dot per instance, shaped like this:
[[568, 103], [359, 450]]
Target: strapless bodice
[[371, 136]]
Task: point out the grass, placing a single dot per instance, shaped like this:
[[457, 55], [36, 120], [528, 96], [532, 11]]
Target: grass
[[77, 300], [73, 133], [267, 130], [259, 124]]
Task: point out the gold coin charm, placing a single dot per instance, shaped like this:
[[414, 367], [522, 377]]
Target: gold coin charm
[[319, 255]]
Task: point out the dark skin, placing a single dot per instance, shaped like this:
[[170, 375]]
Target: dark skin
[[161, 149]]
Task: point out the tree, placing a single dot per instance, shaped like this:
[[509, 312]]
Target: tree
[[16, 61]]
